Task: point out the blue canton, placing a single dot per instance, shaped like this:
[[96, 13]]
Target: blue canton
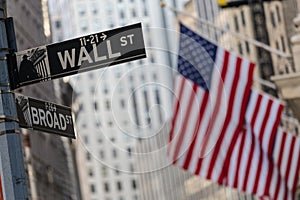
[[196, 57]]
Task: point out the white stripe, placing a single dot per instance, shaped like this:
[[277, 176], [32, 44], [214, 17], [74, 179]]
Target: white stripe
[[277, 145], [233, 164], [189, 132], [285, 156], [253, 168], [272, 187], [281, 190], [251, 105], [245, 157], [260, 117], [202, 129], [178, 123], [263, 175], [294, 167]]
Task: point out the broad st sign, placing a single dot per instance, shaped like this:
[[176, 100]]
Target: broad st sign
[[85, 53], [45, 116]]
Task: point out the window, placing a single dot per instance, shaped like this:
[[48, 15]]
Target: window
[[240, 48], [282, 43], [95, 105], [131, 167], [122, 102], [273, 19], [129, 151], [236, 23], [134, 101], [114, 152], [107, 103], [119, 186], [104, 171], [84, 25], [145, 12], [243, 18], [122, 15], [133, 13], [133, 183], [158, 103], [278, 13], [102, 155], [117, 171], [94, 8], [88, 156], [106, 187], [81, 9], [92, 188], [247, 47], [86, 139], [91, 173], [57, 24], [105, 88]]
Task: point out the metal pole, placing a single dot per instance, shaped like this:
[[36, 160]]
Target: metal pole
[[12, 170]]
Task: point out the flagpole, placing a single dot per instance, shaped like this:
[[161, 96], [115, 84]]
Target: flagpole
[[238, 35]]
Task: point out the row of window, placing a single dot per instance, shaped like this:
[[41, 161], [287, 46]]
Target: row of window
[[119, 186], [102, 153]]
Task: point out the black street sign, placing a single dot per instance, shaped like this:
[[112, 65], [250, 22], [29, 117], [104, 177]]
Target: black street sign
[[45, 116], [85, 53]]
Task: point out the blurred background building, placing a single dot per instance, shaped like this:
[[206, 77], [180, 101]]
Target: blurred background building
[[123, 112], [47, 158]]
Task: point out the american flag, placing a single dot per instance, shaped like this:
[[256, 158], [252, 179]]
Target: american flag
[[264, 115], [212, 91], [252, 171], [265, 159]]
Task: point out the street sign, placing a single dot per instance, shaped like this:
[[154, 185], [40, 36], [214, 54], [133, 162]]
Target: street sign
[[82, 54], [45, 116]]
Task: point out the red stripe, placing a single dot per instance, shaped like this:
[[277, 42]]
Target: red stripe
[[196, 134], [1, 191], [297, 174], [277, 187], [287, 172], [269, 177], [186, 122], [281, 151], [258, 171], [176, 112], [256, 109], [217, 105], [274, 130], [279, 165], [265, 120], [249, 164], [285, 193], [241, 150]]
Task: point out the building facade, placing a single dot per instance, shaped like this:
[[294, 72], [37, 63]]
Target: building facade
[[121, 105], [45, 154]]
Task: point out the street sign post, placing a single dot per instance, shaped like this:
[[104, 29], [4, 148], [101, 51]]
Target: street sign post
[[82, 54], [45, 116]]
